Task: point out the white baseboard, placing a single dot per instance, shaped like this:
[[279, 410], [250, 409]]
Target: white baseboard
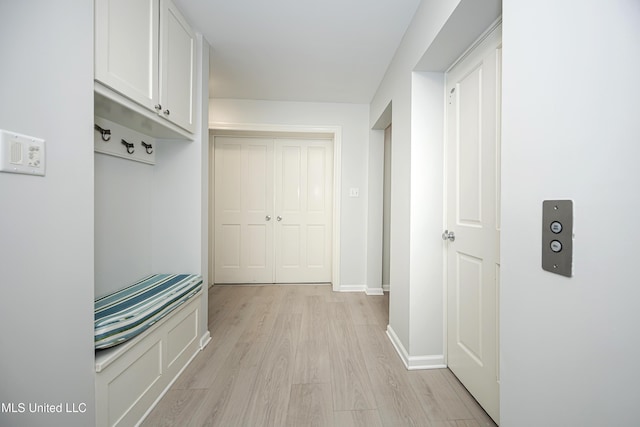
[[415, 362], [351, 288], [373, 291], [386, 287], [205, 339]]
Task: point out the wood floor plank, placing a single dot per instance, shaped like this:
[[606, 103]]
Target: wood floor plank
[[457, 423], [266, 302], [312, 359], [177, 406], [315, 319], [349, 378], [269, 399], [226, 400], [472, 405], [361, 309], [310, 405], [440, 400], [379, 304], [397, 402], [203, 369], [312, 364], [223, 302], [368, 418]]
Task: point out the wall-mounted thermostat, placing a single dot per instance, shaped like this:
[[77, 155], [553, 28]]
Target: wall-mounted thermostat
[[557, 236], [21, 153]]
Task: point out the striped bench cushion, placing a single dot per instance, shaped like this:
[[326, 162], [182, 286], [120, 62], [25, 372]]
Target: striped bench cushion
[[126, 313]]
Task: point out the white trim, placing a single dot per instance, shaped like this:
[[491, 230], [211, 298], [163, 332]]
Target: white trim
[[374, 291], [413, 363], [336, 131], [350, 288], [486, 34], [386, 288], [205, 339], [211, 214]]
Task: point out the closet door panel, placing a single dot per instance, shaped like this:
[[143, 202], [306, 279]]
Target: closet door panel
[[243, 200], [303, 202]]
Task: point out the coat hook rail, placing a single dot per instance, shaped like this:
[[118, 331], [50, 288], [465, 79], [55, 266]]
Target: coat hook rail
[[148, 147], [130, 148], [105, 133]]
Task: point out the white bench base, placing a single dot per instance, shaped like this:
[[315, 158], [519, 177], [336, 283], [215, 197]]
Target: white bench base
[[133, 376]]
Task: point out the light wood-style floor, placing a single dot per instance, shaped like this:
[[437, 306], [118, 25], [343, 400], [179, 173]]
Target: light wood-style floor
[[306, 356]]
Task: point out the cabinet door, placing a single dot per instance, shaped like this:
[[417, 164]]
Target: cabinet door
[[126, 43], [177, 73]]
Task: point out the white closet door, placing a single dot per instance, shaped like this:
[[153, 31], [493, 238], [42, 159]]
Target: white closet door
[[303, 203], [473, 207], [243, 211], [273, 210]]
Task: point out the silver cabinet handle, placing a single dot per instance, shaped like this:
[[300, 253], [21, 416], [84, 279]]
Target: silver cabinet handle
[[279, 218], [267, 218], [158, 107], [448, 235], [167, 112]]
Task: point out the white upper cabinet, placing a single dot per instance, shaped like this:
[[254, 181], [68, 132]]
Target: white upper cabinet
[[145, 50], [177, 73]]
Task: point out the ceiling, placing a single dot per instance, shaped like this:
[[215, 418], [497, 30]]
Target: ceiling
[[299, 50]]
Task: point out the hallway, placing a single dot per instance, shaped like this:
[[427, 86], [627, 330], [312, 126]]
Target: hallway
[[304, 355]]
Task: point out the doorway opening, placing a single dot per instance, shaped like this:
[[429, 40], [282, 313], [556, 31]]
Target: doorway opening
[[386, 212]]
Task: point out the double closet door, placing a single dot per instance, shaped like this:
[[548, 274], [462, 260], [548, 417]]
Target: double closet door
[[273, 210]]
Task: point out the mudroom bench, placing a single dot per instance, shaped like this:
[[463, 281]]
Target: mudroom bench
[[145, 335]]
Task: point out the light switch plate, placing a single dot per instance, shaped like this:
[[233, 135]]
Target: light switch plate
[[21, 154], [557, 236]]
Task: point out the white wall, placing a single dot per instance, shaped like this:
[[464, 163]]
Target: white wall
[[148, 216], [414, 83], [397, 88], [46, 226], [571, 103], [124, 192], [353, 119]]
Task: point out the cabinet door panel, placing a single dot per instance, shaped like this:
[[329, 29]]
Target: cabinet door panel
[[177, 74], [126, 44]]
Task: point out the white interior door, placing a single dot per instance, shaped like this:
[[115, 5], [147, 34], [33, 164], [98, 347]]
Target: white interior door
[[273, 210], [473, 208], [303, 201], [243, 210]]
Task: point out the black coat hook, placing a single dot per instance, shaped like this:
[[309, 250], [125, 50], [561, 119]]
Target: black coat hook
[[105, 133], [148, 147], [130, 147]]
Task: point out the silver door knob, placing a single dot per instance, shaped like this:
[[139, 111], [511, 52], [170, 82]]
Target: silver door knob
[[267, 218], [448, 235], [279, 218]]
